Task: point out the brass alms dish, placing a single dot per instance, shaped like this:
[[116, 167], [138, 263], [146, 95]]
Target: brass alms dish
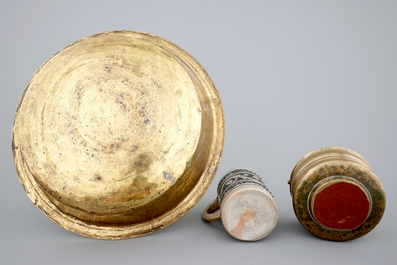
[[118, 135]]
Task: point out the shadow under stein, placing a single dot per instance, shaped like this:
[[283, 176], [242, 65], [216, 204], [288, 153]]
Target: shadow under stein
[[336, 195], [246, 207]]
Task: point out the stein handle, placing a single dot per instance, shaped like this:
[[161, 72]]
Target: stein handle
[[212, 211]]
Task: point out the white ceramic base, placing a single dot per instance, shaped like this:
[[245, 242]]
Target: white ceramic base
[[249, 213]]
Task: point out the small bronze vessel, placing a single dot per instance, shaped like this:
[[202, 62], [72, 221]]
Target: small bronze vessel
[[336, 195]]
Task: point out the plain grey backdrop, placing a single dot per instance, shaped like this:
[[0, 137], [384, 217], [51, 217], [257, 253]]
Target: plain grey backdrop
[[293, 76]]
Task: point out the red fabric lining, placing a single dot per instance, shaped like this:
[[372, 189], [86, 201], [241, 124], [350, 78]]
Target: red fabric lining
[[341, 206]]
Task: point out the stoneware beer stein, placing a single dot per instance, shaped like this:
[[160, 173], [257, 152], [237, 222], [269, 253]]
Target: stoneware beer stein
[[336, 195], [246, 207]]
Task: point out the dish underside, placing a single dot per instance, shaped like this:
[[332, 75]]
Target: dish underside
[[118, 135]]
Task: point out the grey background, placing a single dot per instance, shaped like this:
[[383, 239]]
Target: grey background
[[293, 76]]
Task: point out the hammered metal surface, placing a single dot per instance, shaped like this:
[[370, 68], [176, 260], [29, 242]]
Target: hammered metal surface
[[118, 135]]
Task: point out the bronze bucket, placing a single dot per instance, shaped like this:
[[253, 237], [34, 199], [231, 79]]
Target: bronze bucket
[[118, 135]]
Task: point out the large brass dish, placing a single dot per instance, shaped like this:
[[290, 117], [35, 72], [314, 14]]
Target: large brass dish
[[118, 135]]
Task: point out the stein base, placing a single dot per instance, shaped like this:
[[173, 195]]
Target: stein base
[[249, 213]]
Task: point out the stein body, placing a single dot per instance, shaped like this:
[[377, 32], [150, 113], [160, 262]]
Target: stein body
[[246, 207]]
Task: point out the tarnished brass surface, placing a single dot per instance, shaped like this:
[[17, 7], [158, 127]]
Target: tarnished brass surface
[[118, 135], [330, 165]]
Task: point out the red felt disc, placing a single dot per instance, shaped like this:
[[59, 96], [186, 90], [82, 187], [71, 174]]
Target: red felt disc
[[342, 206]]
